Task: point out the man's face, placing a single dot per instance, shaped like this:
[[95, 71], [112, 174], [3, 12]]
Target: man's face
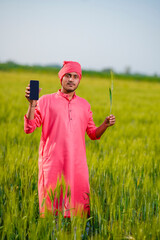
[[70, 82]]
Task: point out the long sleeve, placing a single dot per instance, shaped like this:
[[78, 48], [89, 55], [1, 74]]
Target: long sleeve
[[31, 125], [91, 127]]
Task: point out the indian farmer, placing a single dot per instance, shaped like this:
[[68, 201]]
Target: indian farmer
[[65, 117]]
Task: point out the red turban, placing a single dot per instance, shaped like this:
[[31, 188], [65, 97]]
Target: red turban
[[68, 67]]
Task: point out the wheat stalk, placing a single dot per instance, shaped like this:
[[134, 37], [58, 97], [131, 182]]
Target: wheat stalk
[[110, 91]]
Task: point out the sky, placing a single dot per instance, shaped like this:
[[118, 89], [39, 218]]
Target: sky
[[98, 34]]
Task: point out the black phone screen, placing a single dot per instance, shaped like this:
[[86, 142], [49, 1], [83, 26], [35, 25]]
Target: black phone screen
[[34, 90]]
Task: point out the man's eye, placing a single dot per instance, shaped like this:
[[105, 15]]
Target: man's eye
[[68, 75]]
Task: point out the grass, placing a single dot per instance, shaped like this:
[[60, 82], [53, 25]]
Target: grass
[[123, 166]]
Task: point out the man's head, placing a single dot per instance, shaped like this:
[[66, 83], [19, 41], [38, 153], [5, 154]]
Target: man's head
[[70, 75]]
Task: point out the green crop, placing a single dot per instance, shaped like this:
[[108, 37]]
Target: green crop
[[110, 92]]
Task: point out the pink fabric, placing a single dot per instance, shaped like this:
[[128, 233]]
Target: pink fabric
[[68, 67], [62, 149]]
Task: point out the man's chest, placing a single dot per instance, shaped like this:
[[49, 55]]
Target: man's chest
[[64, 111]]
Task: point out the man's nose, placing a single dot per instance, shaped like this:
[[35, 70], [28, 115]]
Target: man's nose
[[71, 78]]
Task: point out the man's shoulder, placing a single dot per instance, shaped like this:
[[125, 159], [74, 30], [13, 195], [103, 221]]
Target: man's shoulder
[[45, 100], [83, 101], [47, 97]]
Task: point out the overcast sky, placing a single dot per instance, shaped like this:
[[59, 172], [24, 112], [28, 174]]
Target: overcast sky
[[99, 34]]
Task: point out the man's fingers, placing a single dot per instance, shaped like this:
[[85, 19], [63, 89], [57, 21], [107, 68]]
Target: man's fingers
[[27, 91], [111, 120], [111, 117], [27, 96]]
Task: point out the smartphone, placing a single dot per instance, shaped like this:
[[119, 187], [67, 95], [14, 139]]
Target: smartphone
[[34, 90]]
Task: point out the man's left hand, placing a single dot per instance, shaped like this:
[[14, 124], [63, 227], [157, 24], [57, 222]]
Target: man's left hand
[[110, 120]]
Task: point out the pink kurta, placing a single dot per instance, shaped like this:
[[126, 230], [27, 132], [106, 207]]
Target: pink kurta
[[62, 150]]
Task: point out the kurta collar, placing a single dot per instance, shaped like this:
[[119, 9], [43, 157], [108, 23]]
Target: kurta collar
[[65, 95]]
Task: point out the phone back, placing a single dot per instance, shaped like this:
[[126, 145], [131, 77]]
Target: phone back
[[34, 89]]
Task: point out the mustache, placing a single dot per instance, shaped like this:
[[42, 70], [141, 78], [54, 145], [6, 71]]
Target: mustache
[[69, 83]]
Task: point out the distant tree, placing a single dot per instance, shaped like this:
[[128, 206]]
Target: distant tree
[[11, 63], [108, 70], [155, 75], [53, 65], [127, 70]]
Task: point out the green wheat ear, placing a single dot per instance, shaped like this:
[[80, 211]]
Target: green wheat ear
[[110, 97], [110, 91]]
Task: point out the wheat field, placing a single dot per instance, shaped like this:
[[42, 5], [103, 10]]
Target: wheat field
[[123, 165]]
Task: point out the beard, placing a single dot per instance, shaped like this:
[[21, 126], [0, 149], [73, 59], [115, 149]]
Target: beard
[[70, 89]]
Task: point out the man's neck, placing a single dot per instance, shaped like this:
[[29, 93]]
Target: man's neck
[[70, 94]]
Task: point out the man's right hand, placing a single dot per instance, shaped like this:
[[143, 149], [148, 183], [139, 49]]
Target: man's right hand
[[27, 95]]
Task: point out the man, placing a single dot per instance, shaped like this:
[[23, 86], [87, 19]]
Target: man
[[65, 118]]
